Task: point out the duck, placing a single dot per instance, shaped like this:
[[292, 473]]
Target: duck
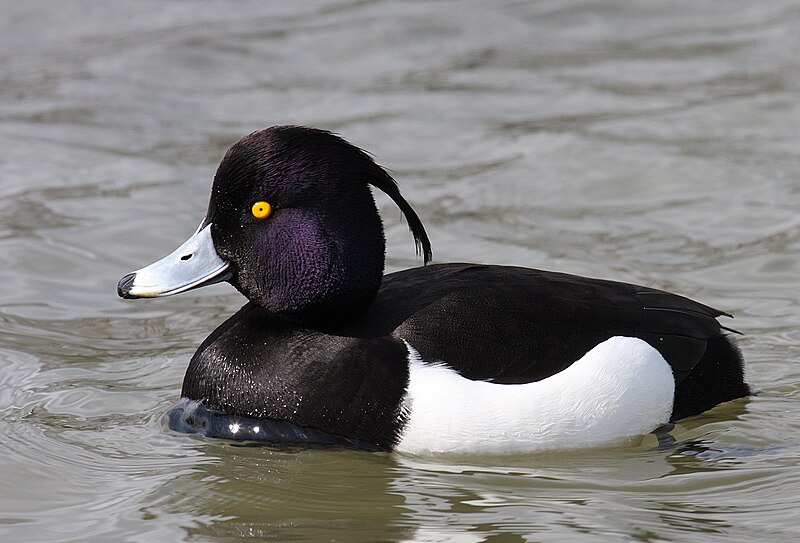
[[439, 358]]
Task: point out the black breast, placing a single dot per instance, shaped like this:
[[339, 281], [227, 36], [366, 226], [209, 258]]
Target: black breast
[[256, 365]]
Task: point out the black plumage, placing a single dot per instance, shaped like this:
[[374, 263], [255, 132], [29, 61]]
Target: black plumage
[[503, 324], [260, 366]]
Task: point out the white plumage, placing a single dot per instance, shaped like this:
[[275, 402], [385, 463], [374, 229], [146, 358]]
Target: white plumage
[[621, 388]]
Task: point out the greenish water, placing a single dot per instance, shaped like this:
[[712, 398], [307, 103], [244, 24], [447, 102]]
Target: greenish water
[[651, 142]]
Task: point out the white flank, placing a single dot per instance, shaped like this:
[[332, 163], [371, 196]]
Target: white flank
[[621, 388]]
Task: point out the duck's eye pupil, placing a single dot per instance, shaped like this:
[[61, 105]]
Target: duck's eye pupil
[[261, 210]]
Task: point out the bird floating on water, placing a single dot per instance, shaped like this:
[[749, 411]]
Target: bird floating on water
[[437, 358]]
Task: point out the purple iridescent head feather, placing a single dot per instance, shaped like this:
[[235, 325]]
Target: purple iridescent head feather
[[321, 251]]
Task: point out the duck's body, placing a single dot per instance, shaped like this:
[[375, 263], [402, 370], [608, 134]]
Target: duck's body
[[447, 357], [468, 357]]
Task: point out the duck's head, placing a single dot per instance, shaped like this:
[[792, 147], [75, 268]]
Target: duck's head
[[291, 224]]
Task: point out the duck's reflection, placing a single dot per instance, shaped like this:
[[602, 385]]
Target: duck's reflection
[[302, 494]]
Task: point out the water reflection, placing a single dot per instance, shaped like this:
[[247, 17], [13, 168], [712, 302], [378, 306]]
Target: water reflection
[[284, 495], [262, 492]]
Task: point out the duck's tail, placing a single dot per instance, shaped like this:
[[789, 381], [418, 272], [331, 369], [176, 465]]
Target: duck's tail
[[717, 378]]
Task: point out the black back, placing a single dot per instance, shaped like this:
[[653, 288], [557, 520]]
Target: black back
[[517, 325]]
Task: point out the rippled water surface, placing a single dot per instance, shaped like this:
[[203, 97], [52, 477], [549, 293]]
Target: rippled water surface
[[652, 142]]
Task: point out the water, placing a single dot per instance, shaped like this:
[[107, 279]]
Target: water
[[650, 142]]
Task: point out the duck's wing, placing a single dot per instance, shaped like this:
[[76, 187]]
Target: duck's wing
[[517, 325]]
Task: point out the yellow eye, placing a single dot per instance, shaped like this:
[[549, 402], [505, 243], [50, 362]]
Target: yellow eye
[[261, 210]]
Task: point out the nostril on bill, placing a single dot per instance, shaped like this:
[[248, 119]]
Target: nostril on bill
[[187, 257]]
